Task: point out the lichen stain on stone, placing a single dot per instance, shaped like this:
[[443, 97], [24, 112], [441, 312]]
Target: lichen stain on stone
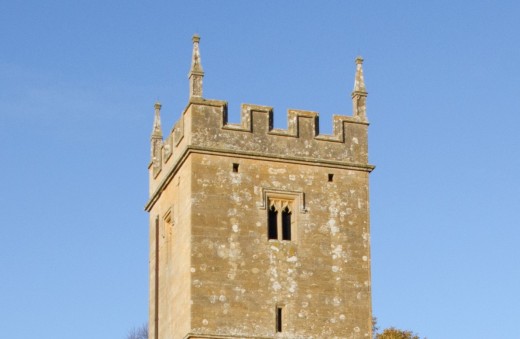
[[337, 251], [232, 212], [292, 259], [331, 227], [235, 197], [277, 170], [236, 179]]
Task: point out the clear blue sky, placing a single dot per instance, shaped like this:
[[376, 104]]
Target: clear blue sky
[[78, 80]]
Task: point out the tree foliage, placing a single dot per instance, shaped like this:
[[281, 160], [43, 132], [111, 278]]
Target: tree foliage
[[138, 333], [394, 333], [391, 332]]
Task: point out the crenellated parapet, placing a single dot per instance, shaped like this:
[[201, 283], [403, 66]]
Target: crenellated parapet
[[204, 128], [255, 134]]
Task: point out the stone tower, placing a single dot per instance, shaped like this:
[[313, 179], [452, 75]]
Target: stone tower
[[258, 232]]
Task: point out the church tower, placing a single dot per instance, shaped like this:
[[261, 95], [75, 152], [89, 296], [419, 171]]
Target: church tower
[[258, 232]]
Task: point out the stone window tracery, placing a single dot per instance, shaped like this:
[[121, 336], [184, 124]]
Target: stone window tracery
[[279, 219]]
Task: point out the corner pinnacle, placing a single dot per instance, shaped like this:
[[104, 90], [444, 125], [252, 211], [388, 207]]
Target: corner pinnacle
[[157, 130], [196, 73], [359, 81], [196, 66], [359, 95]]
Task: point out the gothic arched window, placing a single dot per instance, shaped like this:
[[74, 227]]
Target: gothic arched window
[[279, 219]]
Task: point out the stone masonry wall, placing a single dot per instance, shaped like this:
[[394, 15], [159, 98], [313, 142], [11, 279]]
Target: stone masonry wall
[[239, 277], [219, 276], [173, 252]]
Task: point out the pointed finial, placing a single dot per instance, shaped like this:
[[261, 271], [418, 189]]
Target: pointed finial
[[157, 130], [359, 95], [359, 82], [196, 73], [196, 65]]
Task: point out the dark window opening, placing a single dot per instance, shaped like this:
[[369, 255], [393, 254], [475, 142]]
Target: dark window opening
[[235, 167], [331, 177], [272, 223], [278, 319], [286, 224]]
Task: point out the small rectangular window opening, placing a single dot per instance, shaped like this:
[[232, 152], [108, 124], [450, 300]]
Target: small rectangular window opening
[[278, 319], [235, 167], [331, 177]]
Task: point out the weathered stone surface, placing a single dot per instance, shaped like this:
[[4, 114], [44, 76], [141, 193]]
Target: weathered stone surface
[[214, 272]]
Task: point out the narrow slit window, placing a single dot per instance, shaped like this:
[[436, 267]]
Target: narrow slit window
[[235, 167], [272, 223], [286, 224], [279, 319], [331, 177]]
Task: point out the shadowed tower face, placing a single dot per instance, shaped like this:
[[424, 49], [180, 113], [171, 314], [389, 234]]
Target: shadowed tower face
[[258, 232]]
